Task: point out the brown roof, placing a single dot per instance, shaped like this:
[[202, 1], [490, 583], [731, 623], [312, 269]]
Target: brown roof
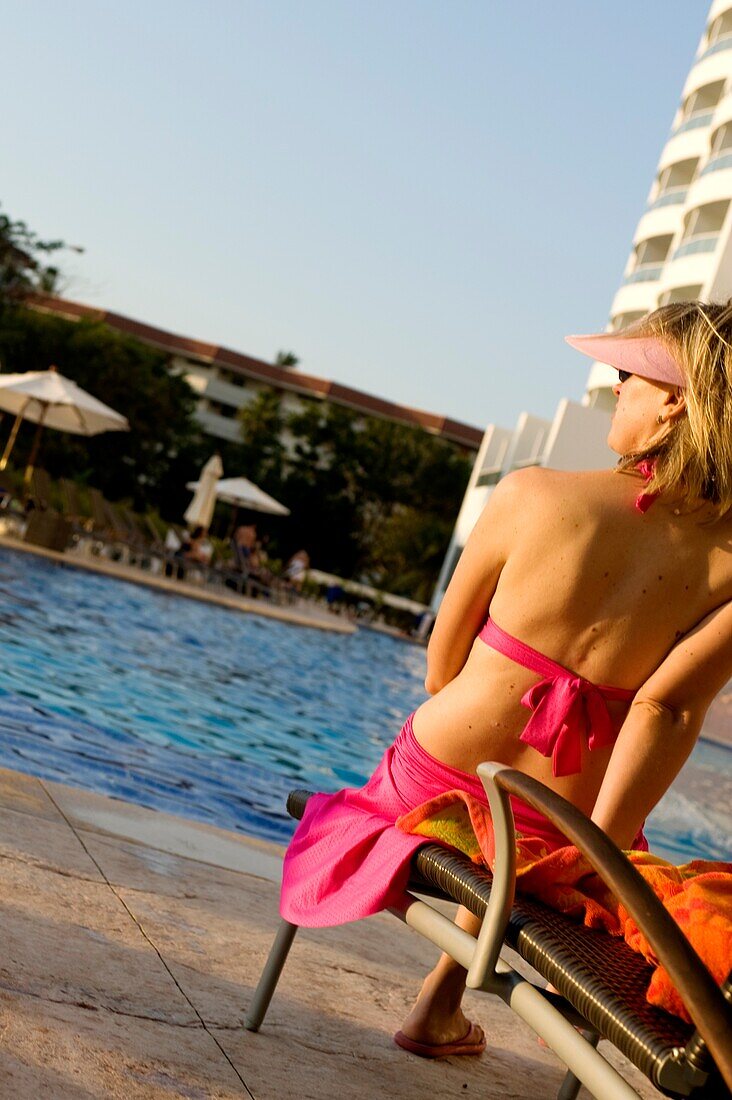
[[295, 381]]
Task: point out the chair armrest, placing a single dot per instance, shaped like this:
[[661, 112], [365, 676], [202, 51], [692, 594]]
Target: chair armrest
[[704, 1000]]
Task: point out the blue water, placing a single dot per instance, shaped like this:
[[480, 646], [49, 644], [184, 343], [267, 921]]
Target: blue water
[[215, 715]]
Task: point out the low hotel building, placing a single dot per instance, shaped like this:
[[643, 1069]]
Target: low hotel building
[[225, 381]]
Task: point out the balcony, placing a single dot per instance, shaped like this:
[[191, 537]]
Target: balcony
[[723, 160], [704, 243], [694, 122], [724, 43], [673, 197], [646, 273], [635, 297]]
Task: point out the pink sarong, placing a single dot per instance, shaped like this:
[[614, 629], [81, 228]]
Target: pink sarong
[[347, 860]]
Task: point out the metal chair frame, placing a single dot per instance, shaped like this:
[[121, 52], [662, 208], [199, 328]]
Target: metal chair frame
[[567, 1031]]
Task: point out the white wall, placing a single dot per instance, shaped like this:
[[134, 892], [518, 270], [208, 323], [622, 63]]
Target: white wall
[[577, 439], [489, 460], [527, 445]]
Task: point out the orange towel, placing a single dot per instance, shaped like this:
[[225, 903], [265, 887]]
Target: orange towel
[[698, 895]]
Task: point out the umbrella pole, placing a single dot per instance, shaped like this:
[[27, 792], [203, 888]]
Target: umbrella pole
[[11, 440], [34, 449]]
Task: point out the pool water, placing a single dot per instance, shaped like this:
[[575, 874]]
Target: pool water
[[215, 715]]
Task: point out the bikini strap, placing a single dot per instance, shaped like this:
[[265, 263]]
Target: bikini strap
[[523, 654], [564, 706], [519, 652]]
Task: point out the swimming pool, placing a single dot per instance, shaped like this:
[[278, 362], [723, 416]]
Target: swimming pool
[[215, 715]]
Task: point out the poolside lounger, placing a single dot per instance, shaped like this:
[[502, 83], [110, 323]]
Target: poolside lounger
[[601, 982], [135, 537], [100, 516], [71, 504], [108, 528], [77, 515], [41, 489]]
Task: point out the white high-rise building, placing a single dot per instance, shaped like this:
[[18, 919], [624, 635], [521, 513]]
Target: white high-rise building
[[682, 246], [682, 249]]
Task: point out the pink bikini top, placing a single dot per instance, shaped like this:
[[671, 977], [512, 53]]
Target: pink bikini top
[[565, 706]]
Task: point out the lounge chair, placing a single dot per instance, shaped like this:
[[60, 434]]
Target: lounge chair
[[109, 529], [134, 537], [41, 489], [601, 983], [76, 515]]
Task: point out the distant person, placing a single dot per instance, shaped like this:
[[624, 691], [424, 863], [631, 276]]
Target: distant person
[[176, 548], [243, 543], [172, 542], [297, 568], [198, 548], [570, 582], [259, 562], [333, 595]]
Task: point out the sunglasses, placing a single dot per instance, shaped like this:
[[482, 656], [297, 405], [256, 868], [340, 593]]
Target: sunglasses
[[624, 375]]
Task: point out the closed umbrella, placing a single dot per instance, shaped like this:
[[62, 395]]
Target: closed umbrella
[[200, 511], [50, 400]]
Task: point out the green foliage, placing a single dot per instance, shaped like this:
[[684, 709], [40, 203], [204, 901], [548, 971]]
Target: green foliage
[[23, 267], [286, 359], [262, 450], [368, 497], [407, 548], [148, 465]]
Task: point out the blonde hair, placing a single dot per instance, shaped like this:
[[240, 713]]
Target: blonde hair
[[692, 461]]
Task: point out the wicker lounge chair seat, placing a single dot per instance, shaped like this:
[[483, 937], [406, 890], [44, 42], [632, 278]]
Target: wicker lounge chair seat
[[599, 976], [601, 982]]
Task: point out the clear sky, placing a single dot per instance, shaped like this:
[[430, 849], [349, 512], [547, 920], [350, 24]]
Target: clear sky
[[420, 199]]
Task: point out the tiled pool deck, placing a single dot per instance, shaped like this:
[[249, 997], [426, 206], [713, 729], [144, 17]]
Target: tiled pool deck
[[132, 939]]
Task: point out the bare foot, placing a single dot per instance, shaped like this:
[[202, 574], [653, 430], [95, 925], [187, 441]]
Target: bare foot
[[435, 1028], [471, 1044], [436, 1018]]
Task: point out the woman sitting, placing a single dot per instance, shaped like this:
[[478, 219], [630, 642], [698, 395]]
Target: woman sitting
[[570, 583]]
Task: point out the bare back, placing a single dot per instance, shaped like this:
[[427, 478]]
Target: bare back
[[593, 584]]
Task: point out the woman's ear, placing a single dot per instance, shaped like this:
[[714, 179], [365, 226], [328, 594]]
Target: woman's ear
[[674, 405]]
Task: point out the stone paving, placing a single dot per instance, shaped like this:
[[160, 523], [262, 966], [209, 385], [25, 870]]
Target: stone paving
[[131, 941]]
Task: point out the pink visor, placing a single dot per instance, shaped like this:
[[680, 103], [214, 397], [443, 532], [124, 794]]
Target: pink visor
[[646, 356]]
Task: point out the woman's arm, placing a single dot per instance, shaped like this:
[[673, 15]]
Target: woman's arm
[[662, 726], [464, 607]]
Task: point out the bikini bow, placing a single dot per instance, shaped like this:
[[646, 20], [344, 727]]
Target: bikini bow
[[566, 708]]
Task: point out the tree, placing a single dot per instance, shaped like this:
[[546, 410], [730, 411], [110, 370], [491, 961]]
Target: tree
[[368, 497], [149, 464], [263, 452], [23, 266], [406, 550], [286, 359]]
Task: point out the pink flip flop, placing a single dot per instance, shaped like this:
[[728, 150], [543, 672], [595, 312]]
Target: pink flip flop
[[473, 1042]]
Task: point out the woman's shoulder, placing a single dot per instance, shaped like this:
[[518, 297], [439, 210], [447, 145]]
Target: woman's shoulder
[[542, 483]]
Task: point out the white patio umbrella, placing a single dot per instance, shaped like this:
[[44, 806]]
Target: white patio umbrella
[[49, 400], [243, 493], [200, 511]]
